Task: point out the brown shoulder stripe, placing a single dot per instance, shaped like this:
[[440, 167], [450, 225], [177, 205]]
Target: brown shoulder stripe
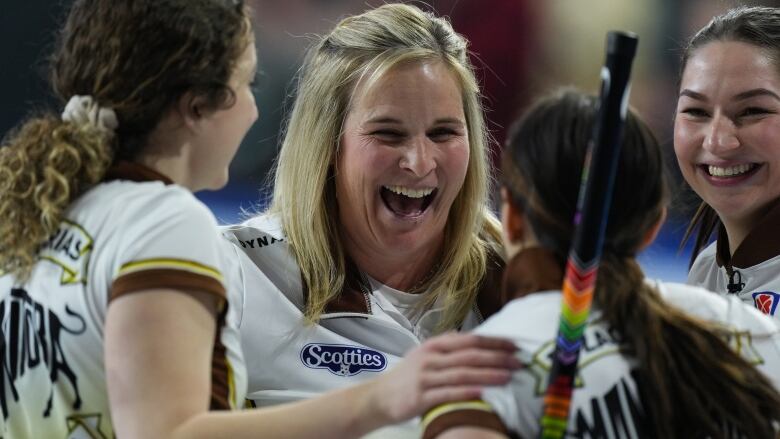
[[223, 391], [165, 278], [461, 414]]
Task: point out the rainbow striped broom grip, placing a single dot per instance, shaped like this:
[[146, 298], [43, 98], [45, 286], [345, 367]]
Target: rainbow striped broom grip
[[590, 223]]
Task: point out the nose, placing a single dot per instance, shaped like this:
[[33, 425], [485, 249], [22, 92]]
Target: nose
[[255, 110], [722, 135], [418, 158]]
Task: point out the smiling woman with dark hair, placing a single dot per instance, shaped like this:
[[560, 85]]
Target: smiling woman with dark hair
[[727, 141]]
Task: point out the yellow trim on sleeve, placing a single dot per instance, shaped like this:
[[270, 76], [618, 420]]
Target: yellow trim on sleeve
[[231, 378], [176, 264], [454, 406]]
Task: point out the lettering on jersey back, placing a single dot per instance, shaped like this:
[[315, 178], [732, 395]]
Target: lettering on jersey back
[[597, 342], [259, 242], [32, 339], [342, 360], [69, 247], [617, 413]]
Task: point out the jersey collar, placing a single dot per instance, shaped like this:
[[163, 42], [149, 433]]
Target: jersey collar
[[761, 244], [531, 270], [354, 297], [132, 171]]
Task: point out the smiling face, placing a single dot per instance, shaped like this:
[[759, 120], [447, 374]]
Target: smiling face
[[727, 131], [402, 161]]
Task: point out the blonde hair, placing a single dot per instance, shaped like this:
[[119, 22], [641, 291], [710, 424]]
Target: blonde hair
[[47, 163], [361, 49]]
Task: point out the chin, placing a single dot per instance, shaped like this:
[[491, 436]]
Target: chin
[[214, 184], [413, 240]]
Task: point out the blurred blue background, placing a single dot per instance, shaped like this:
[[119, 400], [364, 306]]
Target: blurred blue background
[[522, 48], [661, 260]]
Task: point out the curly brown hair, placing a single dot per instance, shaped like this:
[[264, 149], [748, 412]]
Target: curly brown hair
[[136, 57]]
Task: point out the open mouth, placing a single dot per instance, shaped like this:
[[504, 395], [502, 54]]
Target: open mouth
[[740, 170], [407, 202]]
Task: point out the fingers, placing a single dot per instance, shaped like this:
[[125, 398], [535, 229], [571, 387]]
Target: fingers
[[443, 395], [455, 341], [465, 376], [474, 357]]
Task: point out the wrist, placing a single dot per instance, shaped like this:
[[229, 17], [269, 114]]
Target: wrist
[[372, 410]]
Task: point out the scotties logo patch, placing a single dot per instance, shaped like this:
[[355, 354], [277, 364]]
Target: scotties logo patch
[[342, 360], [766, 302]]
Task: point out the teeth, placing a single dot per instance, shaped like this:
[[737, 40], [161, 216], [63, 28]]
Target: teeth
[[409, 192], [731, 171]]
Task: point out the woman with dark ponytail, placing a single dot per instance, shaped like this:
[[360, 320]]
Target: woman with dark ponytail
[[114, 311], [727, 141], [659, 360]]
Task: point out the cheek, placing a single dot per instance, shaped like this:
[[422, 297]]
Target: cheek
[[456, 163], [369, 165], [684, 141], [766, 138], [358, 168]]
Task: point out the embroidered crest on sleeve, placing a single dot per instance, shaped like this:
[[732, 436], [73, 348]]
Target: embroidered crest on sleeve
[[766, 302], [69, 248]]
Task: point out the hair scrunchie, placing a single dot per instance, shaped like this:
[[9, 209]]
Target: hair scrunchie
[[84, 110]]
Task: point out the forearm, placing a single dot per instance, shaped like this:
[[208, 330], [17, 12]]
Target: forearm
[[344, 413]]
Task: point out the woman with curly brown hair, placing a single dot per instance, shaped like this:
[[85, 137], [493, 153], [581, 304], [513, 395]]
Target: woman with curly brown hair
[[113, 287]]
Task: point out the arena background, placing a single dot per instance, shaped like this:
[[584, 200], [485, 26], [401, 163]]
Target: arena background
[[522, 48]]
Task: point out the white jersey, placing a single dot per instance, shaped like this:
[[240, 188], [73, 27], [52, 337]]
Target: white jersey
[[605, 402], [119, 237], [361, 334], [752, 273]]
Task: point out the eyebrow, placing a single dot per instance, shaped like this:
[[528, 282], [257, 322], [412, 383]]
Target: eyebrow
[[693, 95], [739, 97], [392, 120], [756, 92], [384, 119]]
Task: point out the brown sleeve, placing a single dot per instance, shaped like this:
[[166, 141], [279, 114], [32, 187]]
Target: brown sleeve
[[461, 414]]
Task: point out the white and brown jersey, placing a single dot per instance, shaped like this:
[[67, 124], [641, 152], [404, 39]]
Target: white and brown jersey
[[605, 402], [133, 232], [362, 333], [752, 273]]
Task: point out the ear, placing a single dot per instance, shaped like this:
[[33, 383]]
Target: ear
[[190, 108], [512, 218], [653, 232]]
